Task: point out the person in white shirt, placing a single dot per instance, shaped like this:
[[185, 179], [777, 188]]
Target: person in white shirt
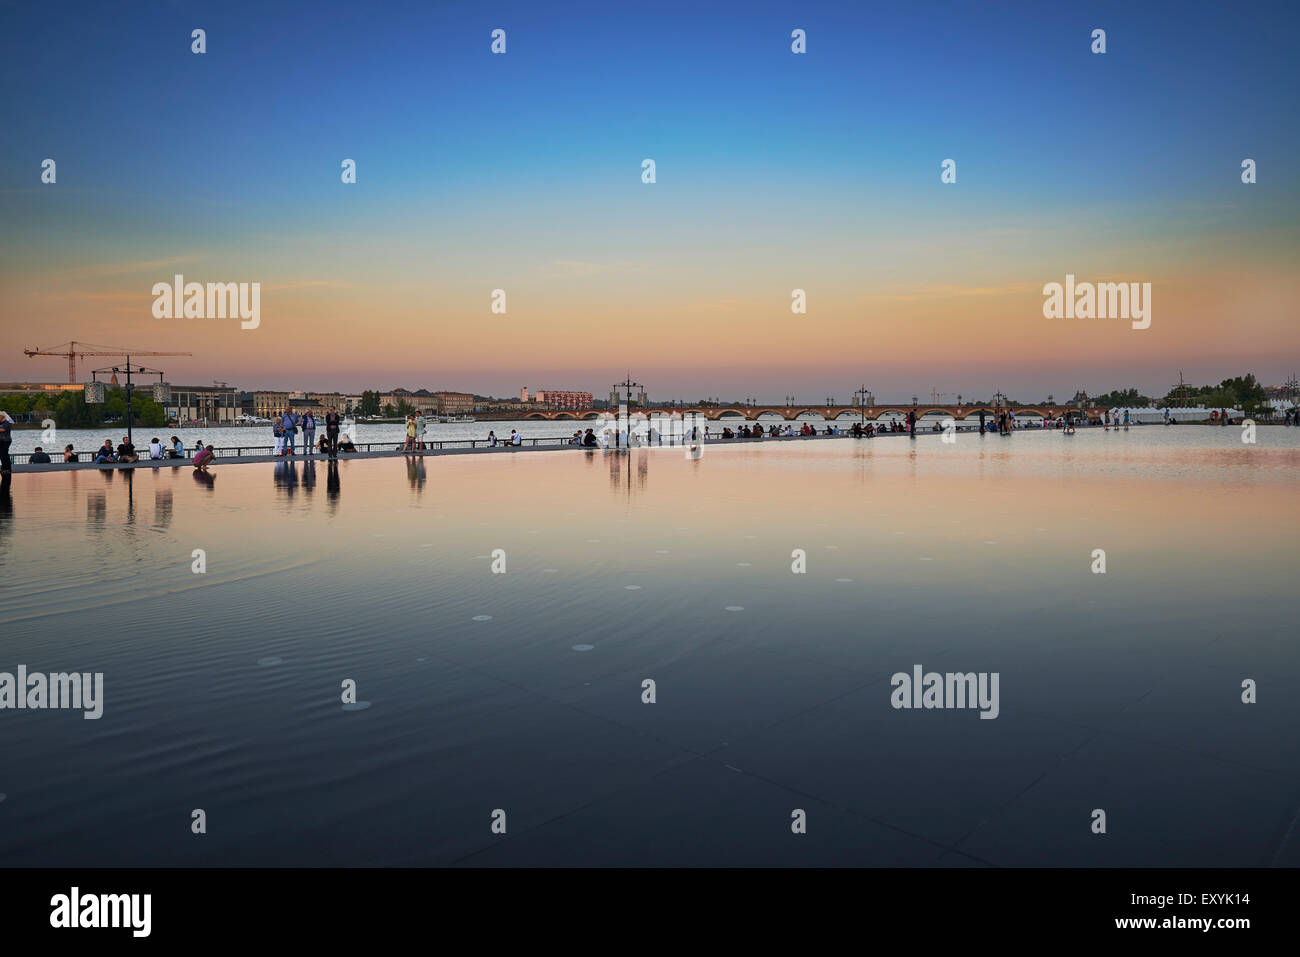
[[492, 440], [420, 423], [155, 449], [515, 438]]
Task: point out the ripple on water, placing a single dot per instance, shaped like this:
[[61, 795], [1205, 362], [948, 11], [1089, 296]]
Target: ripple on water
[[735, 608], [357, 706], [267, 662], [583, 647], [482, 618]]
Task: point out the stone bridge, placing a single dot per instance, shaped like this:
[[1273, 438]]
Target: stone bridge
[[789, 412]]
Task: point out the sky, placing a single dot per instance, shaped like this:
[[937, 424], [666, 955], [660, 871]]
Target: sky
[[775, 171]]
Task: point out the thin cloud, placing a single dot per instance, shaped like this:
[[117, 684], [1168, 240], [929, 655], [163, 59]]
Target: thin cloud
[[119, 269]]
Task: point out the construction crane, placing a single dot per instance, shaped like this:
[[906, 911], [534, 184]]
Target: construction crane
[[72, 351], [937, 397]]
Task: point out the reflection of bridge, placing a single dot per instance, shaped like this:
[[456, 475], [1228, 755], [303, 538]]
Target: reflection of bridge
[[742, 413]]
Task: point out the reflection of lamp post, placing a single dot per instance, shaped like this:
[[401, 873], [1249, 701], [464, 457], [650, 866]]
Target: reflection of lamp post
[[914, 401]]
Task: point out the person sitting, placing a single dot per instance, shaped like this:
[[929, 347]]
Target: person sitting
[[39, 457], [323, 444], [155, 448], [345, 444], [126, 451], [68, 454], [106, 453], [203, 456], [177, 451], [589, 440]]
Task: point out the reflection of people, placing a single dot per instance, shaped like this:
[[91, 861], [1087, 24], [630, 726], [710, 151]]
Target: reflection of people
[[332, 480], [6, 502], [6, 436]]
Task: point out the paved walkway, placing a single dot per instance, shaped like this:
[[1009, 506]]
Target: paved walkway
[[223, 460]]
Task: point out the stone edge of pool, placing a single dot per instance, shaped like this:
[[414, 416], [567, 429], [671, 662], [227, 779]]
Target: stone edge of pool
[[398, 453]]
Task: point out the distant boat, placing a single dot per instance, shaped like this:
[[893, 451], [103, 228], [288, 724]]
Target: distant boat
[[444, 419]]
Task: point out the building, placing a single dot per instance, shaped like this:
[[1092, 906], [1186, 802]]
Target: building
[[342, 401], [453, 403], [556, 399], [39, 388], [213, 404], [268, 404]]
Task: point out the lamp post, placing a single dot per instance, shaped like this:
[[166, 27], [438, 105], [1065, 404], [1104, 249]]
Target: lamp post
[[129, 370], [914, 402], [861, 396], [629, 385]]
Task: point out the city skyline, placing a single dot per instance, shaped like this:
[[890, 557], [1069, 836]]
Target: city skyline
[[775, 172]]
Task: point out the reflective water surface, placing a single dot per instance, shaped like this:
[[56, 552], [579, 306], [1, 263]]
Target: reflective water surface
[[523, 691]]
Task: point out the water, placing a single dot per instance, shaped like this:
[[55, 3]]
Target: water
[[523, 691]]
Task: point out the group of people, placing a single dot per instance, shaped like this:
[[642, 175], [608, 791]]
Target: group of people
[[589, 440], [416, 426], [126, 451], [514, 441], [284, 428], [286, 425]]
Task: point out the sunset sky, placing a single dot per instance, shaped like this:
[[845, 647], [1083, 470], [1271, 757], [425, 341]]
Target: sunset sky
[[775, 171]]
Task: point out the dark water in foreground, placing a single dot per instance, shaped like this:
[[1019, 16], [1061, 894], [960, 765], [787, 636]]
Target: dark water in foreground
[[1119, 691]]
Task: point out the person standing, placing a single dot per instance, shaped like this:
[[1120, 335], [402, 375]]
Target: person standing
[[332, 422], [308, 432], [6, 437], [410, 434], [516, 440], [277, 429], [421, 423], [492, 439], [290, 432]]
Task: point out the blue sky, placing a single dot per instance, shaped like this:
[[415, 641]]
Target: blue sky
[[474, 167]]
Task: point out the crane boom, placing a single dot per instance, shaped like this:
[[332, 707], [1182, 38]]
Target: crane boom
[[70, 352]]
